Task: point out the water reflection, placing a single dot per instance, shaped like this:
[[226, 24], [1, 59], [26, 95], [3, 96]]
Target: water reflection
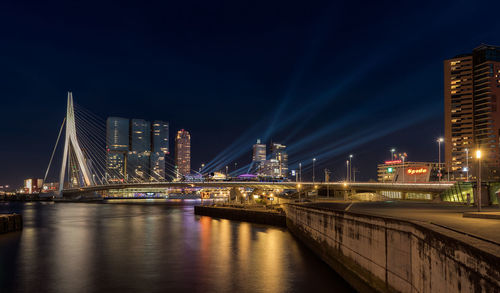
[[152, 248]]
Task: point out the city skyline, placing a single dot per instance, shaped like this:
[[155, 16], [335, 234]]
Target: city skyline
[[307, 97], [247, 146]]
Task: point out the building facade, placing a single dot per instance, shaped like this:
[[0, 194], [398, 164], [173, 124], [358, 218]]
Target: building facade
[[135, 150], [259, 152], [140, 150], [258, 157], [117, 146], [278, 152], [276, 165], [183, 153], [472, 120], [397, 171], [159, 148]]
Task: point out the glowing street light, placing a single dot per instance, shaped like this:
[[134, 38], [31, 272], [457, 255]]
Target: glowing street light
[[314, 161], [467, 164], [350, 167], [300, 172], [347, 170], [403, 157], [439, 141], [392, 154], [478, 157]]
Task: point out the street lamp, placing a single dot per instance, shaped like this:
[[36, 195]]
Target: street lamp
[[350, 167], [300, 172], [314, 161], [403, 157], [439, 141], [347, 171], [392, 154], [298, 188], [327, 179], [478, 157], [467, 163]]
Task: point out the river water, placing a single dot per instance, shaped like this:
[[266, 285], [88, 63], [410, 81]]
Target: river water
[[78, 247]]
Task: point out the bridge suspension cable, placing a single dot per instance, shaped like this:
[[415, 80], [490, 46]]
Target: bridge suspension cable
[[54, 150]]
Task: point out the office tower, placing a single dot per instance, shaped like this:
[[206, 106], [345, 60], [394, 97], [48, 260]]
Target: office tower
[[140, 150], [270, 167], [259, 152], [258, 157], [472, 121], [117, 146], [183, 153], [278, 152], [159, 148]]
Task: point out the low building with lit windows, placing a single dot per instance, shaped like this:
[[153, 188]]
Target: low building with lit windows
[[399, 171]]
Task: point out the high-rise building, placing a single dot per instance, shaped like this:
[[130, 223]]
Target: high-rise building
[[259, 152], [159, 148], [183, 153], [472, 121], [278, 152], [271, 168], [117, 146], [140, 150], [258, 157], [135, 149]]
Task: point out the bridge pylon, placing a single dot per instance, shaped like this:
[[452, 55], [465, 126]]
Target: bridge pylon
[[71, 144]]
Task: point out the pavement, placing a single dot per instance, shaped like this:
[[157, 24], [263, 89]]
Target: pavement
[[482, 215], [448, 216]]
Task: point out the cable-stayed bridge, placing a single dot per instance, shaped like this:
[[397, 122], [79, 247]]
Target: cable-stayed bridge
[[84, 163]]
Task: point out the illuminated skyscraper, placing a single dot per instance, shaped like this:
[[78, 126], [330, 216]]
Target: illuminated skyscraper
[[117, 146], [279, 154], [259, 152], [183, 153], [159, 148], [471, 88], [140, 150]]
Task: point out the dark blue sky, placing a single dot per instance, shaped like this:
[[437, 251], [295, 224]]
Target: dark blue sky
[[325, 78]]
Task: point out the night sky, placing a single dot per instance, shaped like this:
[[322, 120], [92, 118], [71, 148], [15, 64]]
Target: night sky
[[326, 79]]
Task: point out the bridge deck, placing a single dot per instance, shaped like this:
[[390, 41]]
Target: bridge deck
[[365, 186]]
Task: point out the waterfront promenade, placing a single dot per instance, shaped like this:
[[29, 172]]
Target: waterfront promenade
[[448, 216]]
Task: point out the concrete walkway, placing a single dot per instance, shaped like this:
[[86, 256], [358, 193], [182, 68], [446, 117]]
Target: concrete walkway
[[483, 215], [439, 214]]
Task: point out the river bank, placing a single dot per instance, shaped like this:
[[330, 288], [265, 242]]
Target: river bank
[[10, 223], [253, 215]]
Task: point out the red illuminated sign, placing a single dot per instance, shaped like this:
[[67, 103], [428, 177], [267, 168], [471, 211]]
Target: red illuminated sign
[[393, 162], [413, 171]]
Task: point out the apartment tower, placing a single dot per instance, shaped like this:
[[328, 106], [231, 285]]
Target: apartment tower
[[472, 121]]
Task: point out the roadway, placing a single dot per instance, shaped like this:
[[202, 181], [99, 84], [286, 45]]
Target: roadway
[[360, 186], [446, 216]]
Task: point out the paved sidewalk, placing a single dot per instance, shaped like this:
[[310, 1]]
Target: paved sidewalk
[[482, 215], [440, 214]]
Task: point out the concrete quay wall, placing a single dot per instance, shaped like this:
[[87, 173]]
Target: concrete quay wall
[[390, 255], [10, 223], [240, 214]]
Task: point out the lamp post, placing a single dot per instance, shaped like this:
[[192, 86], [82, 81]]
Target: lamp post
[[350, 167], [347, 171], [327, 179], [227, 169], [314, 161], [403, 158], [467, 164], [478, 157], [300, 172], [439, 141], [298, 188], [392, 154]]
